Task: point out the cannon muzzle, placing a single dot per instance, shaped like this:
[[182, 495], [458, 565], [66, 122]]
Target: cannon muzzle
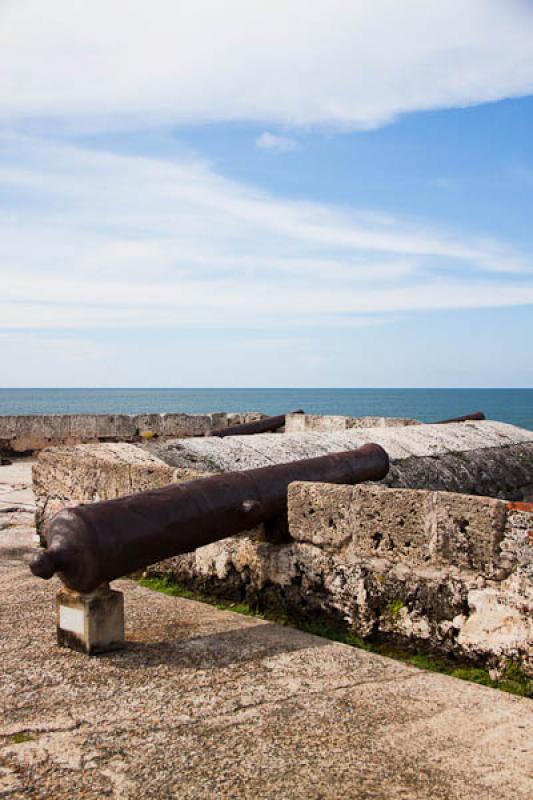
[[93, 544]]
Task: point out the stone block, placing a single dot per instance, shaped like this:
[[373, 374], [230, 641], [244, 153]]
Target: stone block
[[90, 623], [409, 525], [493, 626], [84, 427], [148, 425], [184, 425], [321, 513], [87, 473], [392, 523], [297, 423], [468, 530], [376, 522]]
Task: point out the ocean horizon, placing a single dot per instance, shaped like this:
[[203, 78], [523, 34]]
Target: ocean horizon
[[508, 405]]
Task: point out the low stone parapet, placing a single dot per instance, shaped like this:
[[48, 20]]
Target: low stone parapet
[[30, 433]]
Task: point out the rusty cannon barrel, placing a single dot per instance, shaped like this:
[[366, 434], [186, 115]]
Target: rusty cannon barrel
[[90, 545], [476, 415], [265, 425]]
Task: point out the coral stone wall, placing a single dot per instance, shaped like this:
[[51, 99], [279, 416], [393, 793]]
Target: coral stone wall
[[444, 572], [22, 434]]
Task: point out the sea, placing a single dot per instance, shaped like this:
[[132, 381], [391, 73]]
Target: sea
[[508, 405]]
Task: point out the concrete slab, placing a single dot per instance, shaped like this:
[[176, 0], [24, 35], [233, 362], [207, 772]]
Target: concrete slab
[[210, 704]]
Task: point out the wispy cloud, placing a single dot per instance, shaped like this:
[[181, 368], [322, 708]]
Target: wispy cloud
[[330, 62], [276, 143], [92, 239]]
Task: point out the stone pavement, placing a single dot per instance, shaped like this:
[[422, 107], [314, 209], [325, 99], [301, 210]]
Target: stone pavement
[[15, 487], [209, 704]]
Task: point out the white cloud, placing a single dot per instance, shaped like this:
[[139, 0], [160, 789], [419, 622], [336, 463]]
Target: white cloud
[[99, 240], [279, 144], [329, 62]]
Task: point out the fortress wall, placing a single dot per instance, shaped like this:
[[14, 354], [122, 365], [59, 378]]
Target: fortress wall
[[436, 571], [485, 458], [30, 433], [418, 557]]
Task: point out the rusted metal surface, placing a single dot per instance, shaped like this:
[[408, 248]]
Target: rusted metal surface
[[477, 415], [93, 544], [261, 426]]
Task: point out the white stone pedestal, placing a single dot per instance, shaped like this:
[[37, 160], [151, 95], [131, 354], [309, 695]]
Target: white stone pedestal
[[91, 623]]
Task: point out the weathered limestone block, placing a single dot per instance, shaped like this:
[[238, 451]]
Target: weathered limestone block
[[486, 458], [517, 545], [89, 473], [184, 424], [494, 626], [453, 570], [468, 531], [68, 476], [85, 427], [504, 471], [296, 423], [324, 514], [413, 526]]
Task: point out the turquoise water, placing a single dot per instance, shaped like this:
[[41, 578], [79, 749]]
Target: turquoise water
[[508, 405]]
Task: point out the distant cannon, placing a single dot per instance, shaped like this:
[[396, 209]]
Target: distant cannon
[[265, 425], [90, 545], [477, 415]]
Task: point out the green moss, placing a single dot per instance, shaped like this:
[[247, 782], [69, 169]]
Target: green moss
[[474, 675], [167, 585], [20, 738], [333, 632], [514, 680], [394, 608]]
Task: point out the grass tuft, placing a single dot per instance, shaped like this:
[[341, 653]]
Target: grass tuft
[[394, 608]]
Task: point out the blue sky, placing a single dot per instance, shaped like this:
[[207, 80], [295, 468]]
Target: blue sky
[[266, 197]]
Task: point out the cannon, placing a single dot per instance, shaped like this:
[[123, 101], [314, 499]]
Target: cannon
[[90, 545], [265, 425], [476, 415]]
